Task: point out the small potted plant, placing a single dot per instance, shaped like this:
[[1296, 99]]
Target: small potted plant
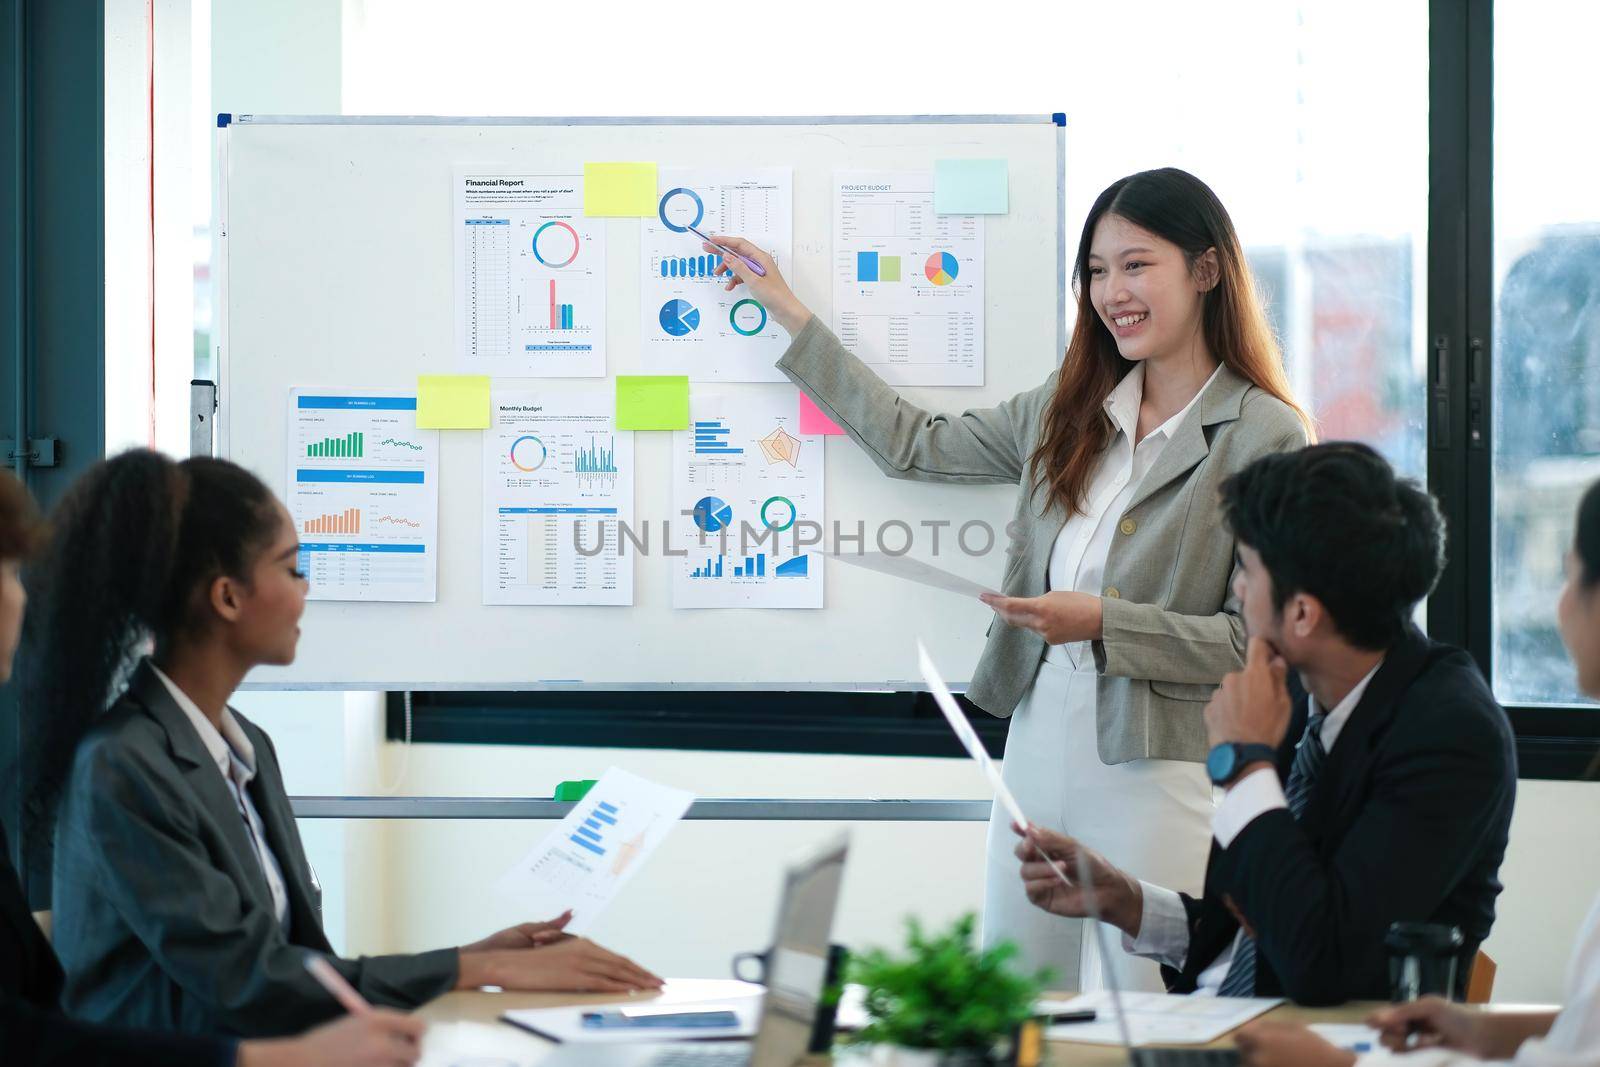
[[945, 1002]]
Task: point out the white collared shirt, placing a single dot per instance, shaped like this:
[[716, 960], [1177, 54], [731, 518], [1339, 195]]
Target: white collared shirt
[[1164, 926], [235, 759], [1078, 557]]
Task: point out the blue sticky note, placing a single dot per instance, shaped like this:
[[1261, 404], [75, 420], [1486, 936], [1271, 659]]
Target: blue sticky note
[[971, 187]]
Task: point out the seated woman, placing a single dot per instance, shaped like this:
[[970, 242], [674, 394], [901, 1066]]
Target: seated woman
[[183, 899], [33, 1033], [1441, 1034]]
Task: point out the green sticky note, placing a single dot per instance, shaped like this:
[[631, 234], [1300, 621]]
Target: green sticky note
[[452, 401], [653, 402], [626, 189], [971, 187]]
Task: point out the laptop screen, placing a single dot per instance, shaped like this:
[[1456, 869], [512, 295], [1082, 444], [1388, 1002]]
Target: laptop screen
[[798, 965]]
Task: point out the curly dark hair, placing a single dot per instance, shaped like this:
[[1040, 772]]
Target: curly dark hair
[[1334, 521], [137, 541]]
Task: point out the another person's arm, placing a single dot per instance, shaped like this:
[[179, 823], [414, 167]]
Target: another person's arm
[[1425, 1033], [981, 445], [35, 1038]]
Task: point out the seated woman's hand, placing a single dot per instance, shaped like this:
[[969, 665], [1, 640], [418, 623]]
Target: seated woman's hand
[[576, 965], [525, 935]]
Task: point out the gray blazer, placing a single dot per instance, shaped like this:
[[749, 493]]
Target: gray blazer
[[1171, 622], [163, 918]]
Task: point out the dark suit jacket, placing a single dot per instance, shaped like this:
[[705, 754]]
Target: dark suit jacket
[[33, 1033], [1408, 822], [163, 917]]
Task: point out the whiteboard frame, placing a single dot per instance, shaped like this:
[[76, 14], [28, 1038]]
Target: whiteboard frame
[[226, 121]]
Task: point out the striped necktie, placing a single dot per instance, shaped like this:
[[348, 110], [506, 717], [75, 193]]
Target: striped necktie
[[1309, 758]]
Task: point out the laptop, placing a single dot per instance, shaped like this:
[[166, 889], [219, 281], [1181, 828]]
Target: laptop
[[796, 971], [1142, 1057]]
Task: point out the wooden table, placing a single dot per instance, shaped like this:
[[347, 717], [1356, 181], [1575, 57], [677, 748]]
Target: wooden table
[[486, 1008]]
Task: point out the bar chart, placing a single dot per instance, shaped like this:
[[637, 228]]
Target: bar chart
[[591, 834], [698, 268], [560, 314], [350, 446], [876, 267], [594, 459], [711, 439], [347, 521]]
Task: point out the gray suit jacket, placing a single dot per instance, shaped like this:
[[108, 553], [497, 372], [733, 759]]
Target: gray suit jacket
[[1171, 622], [163, 918]]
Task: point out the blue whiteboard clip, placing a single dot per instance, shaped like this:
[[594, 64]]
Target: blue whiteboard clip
[[1060, 118], [223, 118]]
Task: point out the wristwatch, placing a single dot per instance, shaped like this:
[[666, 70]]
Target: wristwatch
[[1227, 758]]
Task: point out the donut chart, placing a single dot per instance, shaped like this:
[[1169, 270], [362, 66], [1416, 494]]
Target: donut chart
[[555, 244], [679, 201], [528, 453], [747, 317], [941, 268]]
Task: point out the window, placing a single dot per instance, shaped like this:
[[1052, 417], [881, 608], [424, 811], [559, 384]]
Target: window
[[1546, 438]]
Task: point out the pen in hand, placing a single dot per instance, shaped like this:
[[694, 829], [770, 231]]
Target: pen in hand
[[758, 269], [334, 983]]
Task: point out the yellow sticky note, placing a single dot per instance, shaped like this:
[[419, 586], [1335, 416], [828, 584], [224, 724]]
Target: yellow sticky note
[[452, 401], [653, 402], [626, 189]]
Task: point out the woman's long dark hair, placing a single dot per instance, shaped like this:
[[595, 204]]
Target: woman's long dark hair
[[1176, 206], [136, 543]]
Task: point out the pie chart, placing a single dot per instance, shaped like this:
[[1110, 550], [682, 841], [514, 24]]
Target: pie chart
[[941, 268], [679, 317], [712, 514]]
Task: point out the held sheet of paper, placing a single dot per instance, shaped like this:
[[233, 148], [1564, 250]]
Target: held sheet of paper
[[363, 490], [530, 276], [585, 861], [907, 283], [556, 473]]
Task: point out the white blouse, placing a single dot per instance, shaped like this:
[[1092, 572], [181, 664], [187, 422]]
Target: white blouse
[[1078, 558]]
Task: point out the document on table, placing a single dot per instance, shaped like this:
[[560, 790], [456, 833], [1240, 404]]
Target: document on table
[[585, 861], [363, 485], [530, 276], [689, 324], [1155, 1018], [680, 994], [913, 570], [967, 735], [908, 284], [557, 484]]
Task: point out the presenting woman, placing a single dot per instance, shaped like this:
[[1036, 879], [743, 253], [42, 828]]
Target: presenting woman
[[1117, 619]]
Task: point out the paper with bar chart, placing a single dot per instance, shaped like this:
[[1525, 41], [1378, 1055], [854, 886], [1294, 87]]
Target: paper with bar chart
[[751, 485], [907, 282], [530, 276], [689, 324], [363, 488], [585, 861], [557, 475]]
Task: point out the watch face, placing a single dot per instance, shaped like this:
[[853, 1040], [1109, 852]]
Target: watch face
[[1219, 764]]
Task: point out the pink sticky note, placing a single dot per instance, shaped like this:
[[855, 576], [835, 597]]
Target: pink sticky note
[[812, 420]]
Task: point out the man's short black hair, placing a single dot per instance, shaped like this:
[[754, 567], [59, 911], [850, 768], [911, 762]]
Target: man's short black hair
[[1334, 521]]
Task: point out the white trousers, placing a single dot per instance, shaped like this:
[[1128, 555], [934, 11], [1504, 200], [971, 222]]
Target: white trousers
[[1150, 817]]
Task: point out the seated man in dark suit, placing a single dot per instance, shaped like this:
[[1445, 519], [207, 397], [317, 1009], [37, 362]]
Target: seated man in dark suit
[[1379, 792]]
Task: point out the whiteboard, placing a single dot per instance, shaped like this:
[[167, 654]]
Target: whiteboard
[[336, 271]]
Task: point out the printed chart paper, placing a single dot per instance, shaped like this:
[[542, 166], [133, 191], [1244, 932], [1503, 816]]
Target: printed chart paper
[[1156, 1018], [530, 277], [745, 478], [907, 282], [689, 324], [556, 473], [363, 488], [585, 861]]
